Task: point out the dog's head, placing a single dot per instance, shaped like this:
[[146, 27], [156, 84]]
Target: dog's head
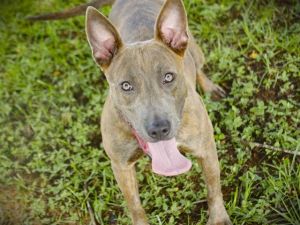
[[146, 79]]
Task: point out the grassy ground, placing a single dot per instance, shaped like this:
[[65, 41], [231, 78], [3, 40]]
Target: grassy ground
[[52, 93]]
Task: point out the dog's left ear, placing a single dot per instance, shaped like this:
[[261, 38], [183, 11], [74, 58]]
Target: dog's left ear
[[171, 26]]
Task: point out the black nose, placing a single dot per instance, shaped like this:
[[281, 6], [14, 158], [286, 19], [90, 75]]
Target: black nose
[[158, 129]]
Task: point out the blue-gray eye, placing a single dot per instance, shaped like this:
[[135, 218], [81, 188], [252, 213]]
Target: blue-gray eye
[[169, 77], [126, 86]]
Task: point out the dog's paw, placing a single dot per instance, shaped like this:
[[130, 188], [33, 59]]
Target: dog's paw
[[141, 221], [217, 92], [219, 221]]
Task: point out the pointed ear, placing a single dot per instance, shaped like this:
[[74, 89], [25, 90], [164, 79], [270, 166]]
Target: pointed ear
[[102, 36], [171, 26]]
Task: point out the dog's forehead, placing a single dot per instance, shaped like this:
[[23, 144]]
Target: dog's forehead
[[143, 57]]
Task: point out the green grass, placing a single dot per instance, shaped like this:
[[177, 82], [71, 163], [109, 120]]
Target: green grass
[[52, 93]]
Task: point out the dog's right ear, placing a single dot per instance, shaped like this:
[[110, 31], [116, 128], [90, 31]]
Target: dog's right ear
[[102, 36]]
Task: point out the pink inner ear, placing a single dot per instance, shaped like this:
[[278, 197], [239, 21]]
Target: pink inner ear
[[176, 39], [104, 51]]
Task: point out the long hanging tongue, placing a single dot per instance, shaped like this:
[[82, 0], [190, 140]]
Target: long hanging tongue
[[166, 158]]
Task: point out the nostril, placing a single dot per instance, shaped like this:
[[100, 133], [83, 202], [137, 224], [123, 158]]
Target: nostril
[[165, 130], [153, 134]]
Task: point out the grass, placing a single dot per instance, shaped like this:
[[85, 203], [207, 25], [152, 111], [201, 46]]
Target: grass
[[52, 94]]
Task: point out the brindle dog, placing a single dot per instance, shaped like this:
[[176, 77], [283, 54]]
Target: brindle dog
[[152, 64]]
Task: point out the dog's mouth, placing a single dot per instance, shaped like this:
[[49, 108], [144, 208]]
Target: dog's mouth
[[166, 158]]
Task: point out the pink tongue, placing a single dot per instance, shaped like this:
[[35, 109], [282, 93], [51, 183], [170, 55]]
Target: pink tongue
[[166, 158]]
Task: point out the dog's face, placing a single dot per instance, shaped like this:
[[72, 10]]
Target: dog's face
[[146, 79], [148, 87]]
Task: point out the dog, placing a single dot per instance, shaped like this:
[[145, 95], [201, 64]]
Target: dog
[[152, 64]]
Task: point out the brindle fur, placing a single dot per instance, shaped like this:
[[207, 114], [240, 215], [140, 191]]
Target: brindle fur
[[135, 51]]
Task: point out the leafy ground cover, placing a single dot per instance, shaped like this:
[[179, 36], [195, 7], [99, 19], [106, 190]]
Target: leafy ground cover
[[51, 96]]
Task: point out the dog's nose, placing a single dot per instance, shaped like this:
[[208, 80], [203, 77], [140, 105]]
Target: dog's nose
[[159, 129]]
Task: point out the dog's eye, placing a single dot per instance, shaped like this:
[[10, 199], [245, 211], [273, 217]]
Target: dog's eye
[[126, 86], [169, 77]]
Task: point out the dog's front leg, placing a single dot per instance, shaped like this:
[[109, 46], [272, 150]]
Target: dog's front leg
[[126, 178], [210, 165]]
